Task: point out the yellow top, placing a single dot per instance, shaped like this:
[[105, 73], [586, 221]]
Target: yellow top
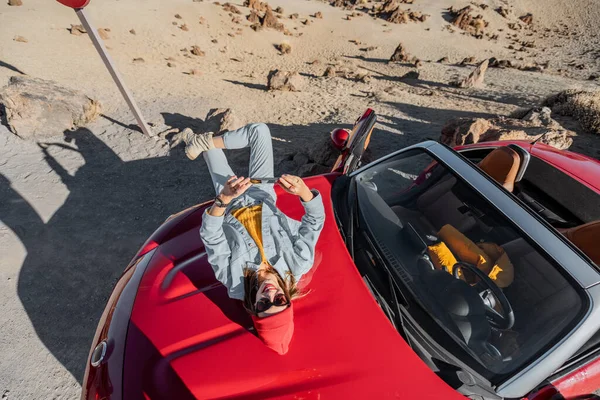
[[251, 218]]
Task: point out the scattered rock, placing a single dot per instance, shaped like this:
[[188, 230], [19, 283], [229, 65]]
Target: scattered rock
[[463, 19], [285, 81], [103, 33], [403, 17], [527, 18], [410, 75], [171, 65], [256, 5], [279, 10], [476, 77], [583, 105], [417, 63], [468, 60], [38, 109], [20, 39], [369, 48], [269, 20], [400, 54], [495, 63], [443, 60], [284, 48], [253, 17], [178, 16], [195, 50], [77, 30], [306, 22], [132, 31], [138, 60], [318, 15], [231, 8], [196, 72], [294, 16], [15, 3], [184, 27], [222, 120], [593, 77], [201, 20], [505, 12], [536, 124]]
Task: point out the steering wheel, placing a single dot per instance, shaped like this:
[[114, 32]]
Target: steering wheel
[[504, 320]]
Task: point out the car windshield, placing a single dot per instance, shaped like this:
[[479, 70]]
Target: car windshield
[[464, 263]]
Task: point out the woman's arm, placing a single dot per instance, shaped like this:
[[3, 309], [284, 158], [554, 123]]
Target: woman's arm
[[311, 224], [217, 248]]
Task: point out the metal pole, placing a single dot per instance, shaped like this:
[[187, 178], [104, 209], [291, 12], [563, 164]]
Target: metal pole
[[99, 45]]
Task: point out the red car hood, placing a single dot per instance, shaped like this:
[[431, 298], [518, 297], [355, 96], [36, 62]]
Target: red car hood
[[187, 339]]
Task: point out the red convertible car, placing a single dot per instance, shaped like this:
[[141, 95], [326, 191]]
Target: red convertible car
[[440, 273]]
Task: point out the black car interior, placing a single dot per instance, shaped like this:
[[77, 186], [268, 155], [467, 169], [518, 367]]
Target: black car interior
[[406, 222]]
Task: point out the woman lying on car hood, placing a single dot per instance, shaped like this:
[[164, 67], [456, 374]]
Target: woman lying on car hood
[[257, 252]]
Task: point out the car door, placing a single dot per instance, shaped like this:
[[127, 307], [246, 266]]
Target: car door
[[357, 143]]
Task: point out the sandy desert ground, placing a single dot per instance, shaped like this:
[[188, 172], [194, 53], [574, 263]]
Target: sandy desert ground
[[74, 209]]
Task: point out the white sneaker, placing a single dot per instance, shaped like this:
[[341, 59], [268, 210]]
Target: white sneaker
[[195, 144]]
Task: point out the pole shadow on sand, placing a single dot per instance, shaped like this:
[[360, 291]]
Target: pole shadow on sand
[[74, 259]]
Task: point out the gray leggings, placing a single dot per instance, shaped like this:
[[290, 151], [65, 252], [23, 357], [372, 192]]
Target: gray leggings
[[258, 137]]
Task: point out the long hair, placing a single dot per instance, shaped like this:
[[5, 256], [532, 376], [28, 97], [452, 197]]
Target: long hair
[[252, 283]]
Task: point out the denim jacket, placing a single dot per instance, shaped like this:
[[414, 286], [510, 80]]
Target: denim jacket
[[289, 245]]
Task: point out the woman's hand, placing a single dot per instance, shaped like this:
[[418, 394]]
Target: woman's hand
[[234, 187], [295, 185]]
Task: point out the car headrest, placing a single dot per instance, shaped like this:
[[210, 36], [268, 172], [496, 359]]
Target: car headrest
[[502, 164], [586, 238]]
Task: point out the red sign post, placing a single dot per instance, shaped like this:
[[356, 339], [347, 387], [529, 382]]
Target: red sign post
[[78, 6]]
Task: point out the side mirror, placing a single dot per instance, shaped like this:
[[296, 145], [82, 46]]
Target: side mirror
[[339, 138]]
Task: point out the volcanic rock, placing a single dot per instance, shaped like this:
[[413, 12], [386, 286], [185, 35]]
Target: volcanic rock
[[269, 20], [289, 81], [231, 8], [463, 19], [503, 11], [583, 105], [400, 54], [77, 30], [197, 51], [253, 17], [495, 63], [220, 120], [476, 77], [537, 124], [256, 5], [527, 18], [39, 109], [284, 48]]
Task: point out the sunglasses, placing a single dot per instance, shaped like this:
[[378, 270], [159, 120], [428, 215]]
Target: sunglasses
[[264, 304]]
